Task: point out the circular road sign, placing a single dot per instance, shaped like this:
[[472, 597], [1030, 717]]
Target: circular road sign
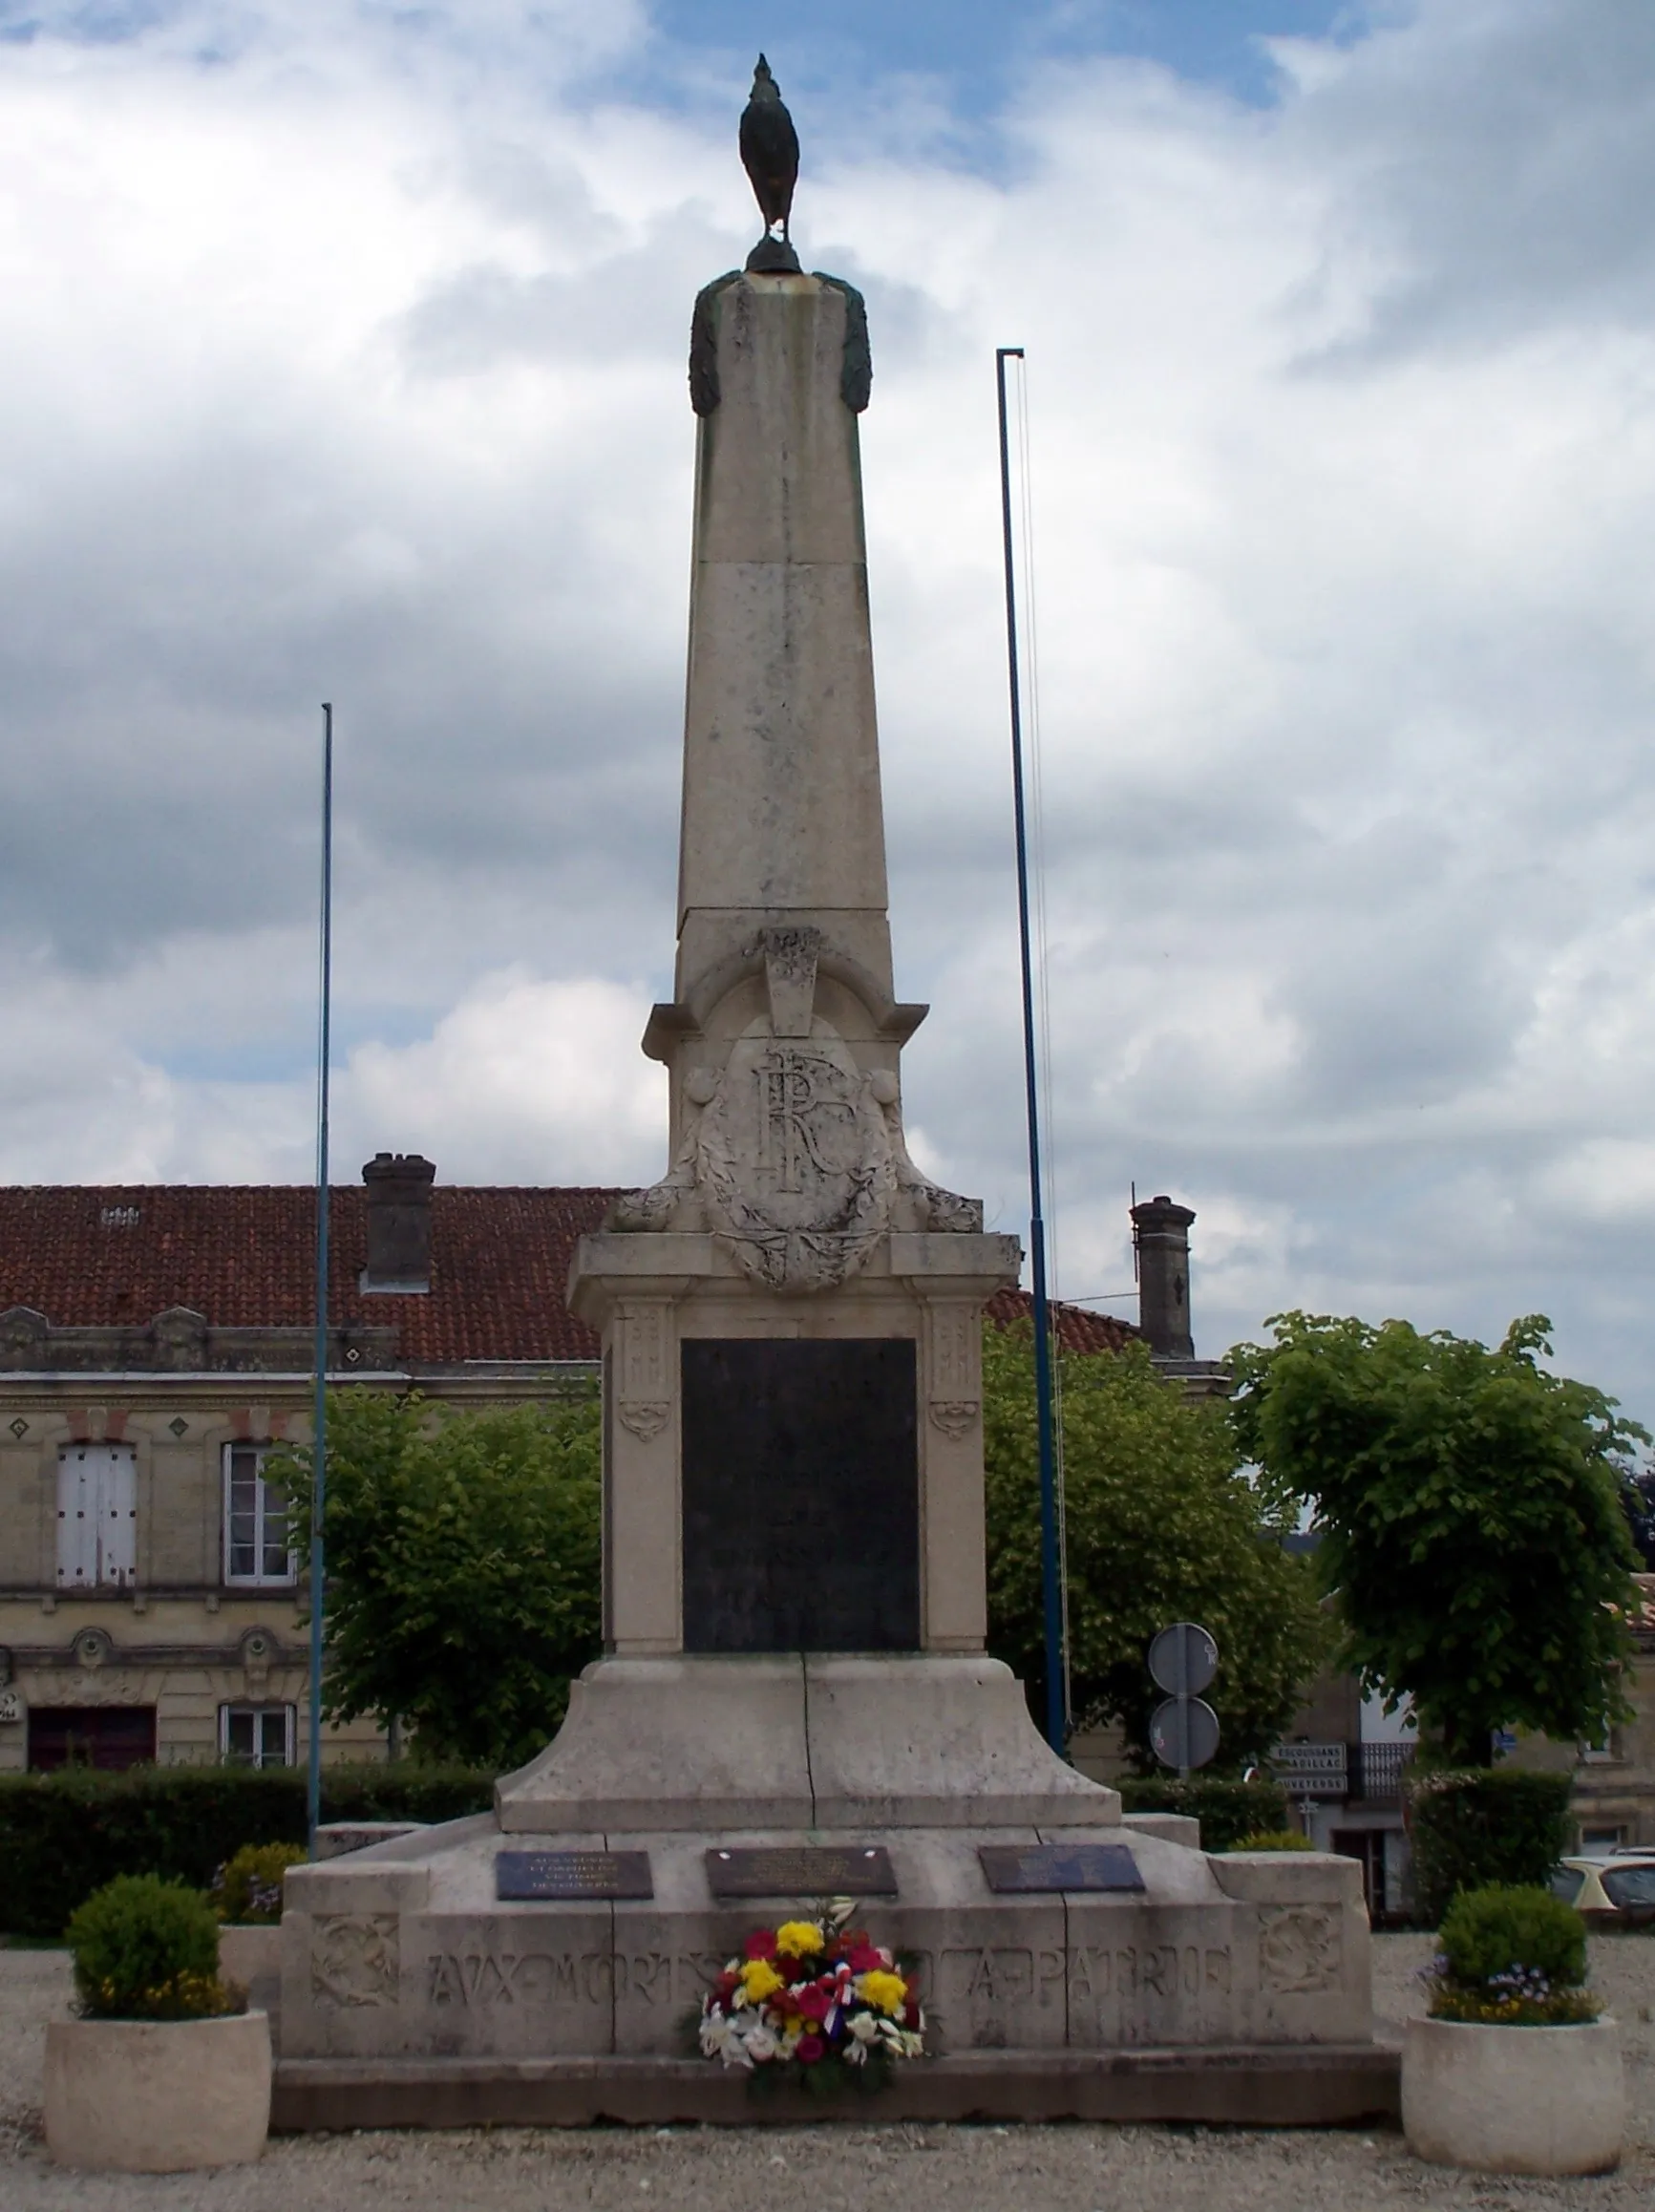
[[1184, 1660], [1183, 1733]]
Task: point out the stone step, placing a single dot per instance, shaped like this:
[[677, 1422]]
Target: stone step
[[1325, 2085]]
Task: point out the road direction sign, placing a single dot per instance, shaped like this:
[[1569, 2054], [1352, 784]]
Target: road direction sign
[[1184, 1660], [1183, 1733]]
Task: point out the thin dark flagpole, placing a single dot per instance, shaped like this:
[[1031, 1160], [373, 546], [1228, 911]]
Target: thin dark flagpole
[[319, 1422], [1051, 1580]]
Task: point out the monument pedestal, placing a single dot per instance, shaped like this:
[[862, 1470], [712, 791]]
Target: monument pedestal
[[408, 1950], [676, 1780]]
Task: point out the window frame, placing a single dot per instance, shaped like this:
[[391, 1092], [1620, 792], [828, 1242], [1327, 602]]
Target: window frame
[[289, 1731], [258, 1579]]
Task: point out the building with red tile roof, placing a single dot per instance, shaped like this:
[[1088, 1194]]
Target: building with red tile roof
[[157, 1345]]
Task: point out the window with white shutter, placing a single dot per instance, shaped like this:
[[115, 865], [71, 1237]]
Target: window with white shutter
[[96, 1516]]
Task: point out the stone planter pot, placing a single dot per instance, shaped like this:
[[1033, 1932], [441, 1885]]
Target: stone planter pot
[[1515, 2100], [157, 2096]]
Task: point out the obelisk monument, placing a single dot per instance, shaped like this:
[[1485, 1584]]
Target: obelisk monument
[[794, 1699]]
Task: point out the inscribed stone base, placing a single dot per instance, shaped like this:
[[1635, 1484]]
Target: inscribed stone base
[[405, 1951]]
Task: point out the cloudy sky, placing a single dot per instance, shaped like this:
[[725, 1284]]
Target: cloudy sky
[[342, 356]]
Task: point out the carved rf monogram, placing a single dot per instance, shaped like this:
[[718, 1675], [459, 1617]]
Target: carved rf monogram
[[799, 1117], [793, 1155]]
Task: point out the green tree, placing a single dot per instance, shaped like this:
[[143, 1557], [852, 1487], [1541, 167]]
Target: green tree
[[1470, 1504], [1161, 1527], [463, 1577]]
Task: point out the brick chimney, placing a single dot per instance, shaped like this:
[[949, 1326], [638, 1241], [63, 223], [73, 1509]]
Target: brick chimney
[[399, 1221], [1161, 1233]]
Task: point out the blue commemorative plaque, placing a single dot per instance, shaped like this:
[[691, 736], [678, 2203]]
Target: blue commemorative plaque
[[1009, 1868], [522, 1877]]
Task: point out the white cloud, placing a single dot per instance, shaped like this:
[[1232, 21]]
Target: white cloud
[[525, 1082], [349, 365]]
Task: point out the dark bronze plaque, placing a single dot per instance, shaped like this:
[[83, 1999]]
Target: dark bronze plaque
[[522, 1875], [1026, 1867], [802, 1513], [807, 1874]]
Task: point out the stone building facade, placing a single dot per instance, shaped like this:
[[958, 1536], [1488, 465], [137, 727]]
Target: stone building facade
[[155, 1347]]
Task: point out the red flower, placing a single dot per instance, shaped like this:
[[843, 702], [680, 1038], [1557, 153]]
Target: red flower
[[810, 2049], [760, 1944], [813, 2004], [867, 1960], [725, 1987]]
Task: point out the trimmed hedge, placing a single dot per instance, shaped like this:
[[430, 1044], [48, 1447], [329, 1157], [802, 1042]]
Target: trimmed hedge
[[1227, 1811], [64, 1834], [1481, 1826]]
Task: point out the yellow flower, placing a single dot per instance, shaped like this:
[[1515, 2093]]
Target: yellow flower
[[889, 1992], [760, 1980], [796, 1939]]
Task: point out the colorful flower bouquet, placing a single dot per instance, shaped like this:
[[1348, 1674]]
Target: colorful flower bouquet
[[814, 2003]]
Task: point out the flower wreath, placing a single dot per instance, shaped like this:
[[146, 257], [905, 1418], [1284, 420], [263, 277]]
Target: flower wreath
[[814, 2002]]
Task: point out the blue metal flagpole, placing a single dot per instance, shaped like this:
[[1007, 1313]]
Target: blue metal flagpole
[[1056, 1726], [319, 1424]]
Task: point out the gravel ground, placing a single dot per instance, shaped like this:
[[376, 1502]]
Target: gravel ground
[[1053, 2169]]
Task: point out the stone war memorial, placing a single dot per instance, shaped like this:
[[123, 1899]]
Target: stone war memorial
[[795, 1701]]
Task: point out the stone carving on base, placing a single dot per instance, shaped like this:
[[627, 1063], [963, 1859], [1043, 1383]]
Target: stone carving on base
[[354, 1959], [955, 1416], [645, 1420], [1299, 1948]]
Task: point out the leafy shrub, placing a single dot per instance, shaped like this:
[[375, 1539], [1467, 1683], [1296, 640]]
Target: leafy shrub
[[1499, 1825], [1274, 1840], [1487, 1932], [247, 1888], [64, 1834], [1227, 1811], [147, 1949], [1511, 1956]]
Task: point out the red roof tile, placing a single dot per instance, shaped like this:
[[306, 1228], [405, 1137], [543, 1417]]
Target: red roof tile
[[242, 1257], [1078, 1328]]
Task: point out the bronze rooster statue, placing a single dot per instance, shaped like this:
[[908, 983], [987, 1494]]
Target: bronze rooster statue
[[770, 156]]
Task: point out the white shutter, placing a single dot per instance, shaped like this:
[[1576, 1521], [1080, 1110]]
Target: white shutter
[[96, 1516], [118, 1515], [77, 1488]]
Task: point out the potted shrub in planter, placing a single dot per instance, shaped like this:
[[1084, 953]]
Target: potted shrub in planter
[[1513, 2072], [166, 2069], [247, 1895]]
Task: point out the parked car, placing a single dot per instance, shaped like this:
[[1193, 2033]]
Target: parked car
[[1613, 1889]]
